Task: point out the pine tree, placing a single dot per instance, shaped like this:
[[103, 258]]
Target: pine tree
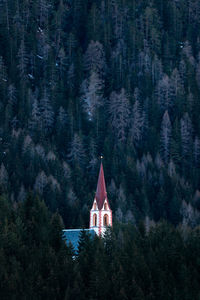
[[186, 135], [77, 153], [23, 61], [197, 151], [92, 97], [165, 136], [47, 113], [119, 110], [136, 130], [94, 59], [40, 182]]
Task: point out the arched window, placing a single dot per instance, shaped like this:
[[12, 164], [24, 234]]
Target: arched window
[[95, 206], [105, 206], [94, 220], [105, 220]]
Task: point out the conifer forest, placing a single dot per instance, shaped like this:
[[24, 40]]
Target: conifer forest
[[85, 78]]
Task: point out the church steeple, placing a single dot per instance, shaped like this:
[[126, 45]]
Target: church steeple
[[101, 193], [100, 214]]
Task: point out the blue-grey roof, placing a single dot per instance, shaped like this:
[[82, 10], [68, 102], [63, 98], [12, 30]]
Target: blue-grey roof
[[72, 236]]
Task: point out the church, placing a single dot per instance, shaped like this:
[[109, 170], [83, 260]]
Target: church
[[100, 214]]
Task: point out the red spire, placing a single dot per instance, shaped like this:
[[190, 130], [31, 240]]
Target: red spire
[[101, 193]]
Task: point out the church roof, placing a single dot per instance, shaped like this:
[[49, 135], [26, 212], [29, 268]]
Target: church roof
[[101, 193], [73, 235]]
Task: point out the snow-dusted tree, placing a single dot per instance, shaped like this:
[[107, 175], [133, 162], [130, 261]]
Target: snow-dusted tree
[[39, 149], [165, 136], [119, 110], [144, 60], [176, 82], [40, 182], [197, 151], [62, 60], [10, 107], [186, 135], [94, 58], [3, 176], [71, 77], [119, 17], [12, 99], [119, 59], [92, 97], [182, 71], [62, 118], [43, 12], [165, 93], [66, 170], [187, 51], [28, 144], [190, 215], [198, 74], [137, 122], [171, 169], [71, 197], [51, 156], [22, 61], [77, 152], [43, 46], [35, 120], [54, 184], [157, 70], [3, 73], [47, 114], [148, 223]]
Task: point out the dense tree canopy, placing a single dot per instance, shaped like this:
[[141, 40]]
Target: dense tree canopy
[[144, 262], [118, 78]]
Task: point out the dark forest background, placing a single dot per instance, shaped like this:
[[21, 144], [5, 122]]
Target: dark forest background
[[129, 263], [118, 78], [78, 79]]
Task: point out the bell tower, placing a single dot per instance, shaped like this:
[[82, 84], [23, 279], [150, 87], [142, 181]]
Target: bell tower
[[100, 213]]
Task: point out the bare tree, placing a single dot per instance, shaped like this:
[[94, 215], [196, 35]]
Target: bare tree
[[137, 122], [23, 60], [3, 176], [77, 152], [94, 59], [40, 182], [3, 72], [197, 151], [165, 93], [35, 120], [186, 135], [12, 99], [47, 114], [92, 97], [165, 136], [119, 110]]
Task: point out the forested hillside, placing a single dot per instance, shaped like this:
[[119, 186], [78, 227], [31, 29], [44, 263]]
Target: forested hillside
[[121, 78], [129, 263]]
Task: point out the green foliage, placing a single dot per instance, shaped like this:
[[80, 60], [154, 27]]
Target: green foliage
[[118, 78]]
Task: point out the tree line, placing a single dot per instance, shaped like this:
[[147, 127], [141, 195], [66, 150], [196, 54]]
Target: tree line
[[144, 262], [81, 78]]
